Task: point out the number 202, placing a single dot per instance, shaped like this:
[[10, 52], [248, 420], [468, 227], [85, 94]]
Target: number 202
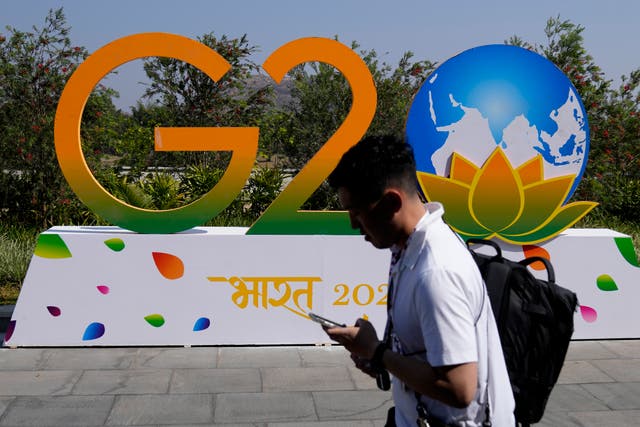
[[362, 294], [282, 216]]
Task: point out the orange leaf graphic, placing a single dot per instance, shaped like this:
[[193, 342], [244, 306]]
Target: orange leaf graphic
[[533, 250], [170, 266]]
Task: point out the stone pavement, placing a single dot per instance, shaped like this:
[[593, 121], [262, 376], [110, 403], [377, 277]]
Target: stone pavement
[[267, 387]]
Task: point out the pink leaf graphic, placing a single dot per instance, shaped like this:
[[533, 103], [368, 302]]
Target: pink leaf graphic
[[55, 311], [103, 289], [589, 314]]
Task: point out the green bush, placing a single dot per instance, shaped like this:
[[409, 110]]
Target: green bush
[[262, 188], [617, 194], [324, 198], [198, 180], [121, 188], [163, 189]]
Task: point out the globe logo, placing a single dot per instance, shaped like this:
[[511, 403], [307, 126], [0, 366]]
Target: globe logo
[[501, 138]]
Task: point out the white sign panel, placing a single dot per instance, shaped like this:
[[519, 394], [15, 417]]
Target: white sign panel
[[105, 286], [108, 286]]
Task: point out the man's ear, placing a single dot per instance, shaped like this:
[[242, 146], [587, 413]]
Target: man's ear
[[391, 202]]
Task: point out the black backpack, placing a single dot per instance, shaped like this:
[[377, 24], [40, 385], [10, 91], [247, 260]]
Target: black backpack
[[535, 323]]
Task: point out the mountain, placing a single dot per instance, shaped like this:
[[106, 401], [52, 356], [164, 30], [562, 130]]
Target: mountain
[[282, 91]]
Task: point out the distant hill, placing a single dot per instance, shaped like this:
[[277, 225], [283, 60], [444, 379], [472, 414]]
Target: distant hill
[[282, 91]]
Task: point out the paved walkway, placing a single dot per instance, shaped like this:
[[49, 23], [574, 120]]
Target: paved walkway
[[267, 387]]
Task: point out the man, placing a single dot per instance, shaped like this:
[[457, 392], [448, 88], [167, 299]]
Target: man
[[441, 344]]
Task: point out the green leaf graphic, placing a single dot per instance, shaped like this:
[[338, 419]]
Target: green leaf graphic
[[606, 283], [51, 246], [115, 244], [625, 246], [155, 320]]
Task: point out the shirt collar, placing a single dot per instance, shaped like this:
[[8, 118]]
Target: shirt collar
[[415, 242]]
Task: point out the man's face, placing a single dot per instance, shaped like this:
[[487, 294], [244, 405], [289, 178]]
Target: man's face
[[372, 219]]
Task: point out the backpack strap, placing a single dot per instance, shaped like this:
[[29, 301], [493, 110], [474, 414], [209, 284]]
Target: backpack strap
[[551, 275]]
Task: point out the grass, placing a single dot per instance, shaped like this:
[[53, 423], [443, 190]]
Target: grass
[[17, 244], [16, 249]]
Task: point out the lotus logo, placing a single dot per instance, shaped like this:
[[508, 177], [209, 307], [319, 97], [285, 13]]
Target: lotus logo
[[515, 205]]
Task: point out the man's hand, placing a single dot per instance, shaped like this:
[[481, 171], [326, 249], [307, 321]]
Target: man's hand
[[360, 340]]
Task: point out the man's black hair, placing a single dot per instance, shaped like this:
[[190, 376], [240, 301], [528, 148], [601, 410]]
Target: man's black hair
[[372, 165]]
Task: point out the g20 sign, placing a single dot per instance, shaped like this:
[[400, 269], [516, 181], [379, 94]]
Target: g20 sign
[[282, 216], [486, 127]]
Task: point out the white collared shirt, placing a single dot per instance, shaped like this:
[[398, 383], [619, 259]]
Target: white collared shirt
[[440, 304]]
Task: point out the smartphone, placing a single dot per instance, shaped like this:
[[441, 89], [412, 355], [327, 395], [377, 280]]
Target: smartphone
[[326, 322]]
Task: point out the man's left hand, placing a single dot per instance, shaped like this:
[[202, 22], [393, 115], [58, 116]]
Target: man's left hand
[[360, 339]]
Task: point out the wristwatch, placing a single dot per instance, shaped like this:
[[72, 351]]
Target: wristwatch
[[377, 360]]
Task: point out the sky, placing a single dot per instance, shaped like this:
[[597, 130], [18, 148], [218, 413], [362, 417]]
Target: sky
[[432, 30]]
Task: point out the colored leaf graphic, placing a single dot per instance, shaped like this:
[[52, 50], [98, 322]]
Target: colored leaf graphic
[[588, 314], [155, 320], [625, 246], [201, 324], [104, 290], [51, 246], [170, 266], [533, 250], [55, 311], [606, 283], [115, 244], [9, 332], [93, 331]]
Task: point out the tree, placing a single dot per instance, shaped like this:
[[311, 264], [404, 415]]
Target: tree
[[185, 96], [613, 172], [34, 67], [612, 176]]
